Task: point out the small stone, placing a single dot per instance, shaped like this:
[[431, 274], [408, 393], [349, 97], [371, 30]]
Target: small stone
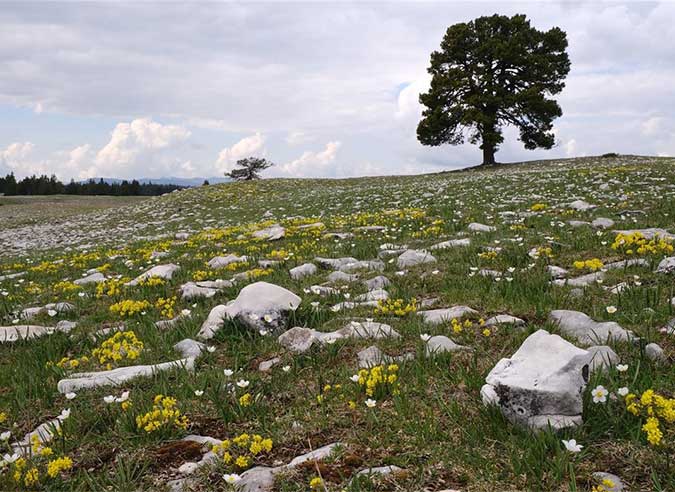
[[654, 352]]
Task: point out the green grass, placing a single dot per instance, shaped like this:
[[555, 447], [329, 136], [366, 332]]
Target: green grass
[[437, 428]]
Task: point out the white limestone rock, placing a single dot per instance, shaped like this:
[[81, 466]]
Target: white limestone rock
[[504, 319], [160, 271], [602, 223], [445, 315], [93, 278], [601, 357], [413, 257], [271, 233], [618, 484], [379, 282], [303, 271], [649, 233], [452, 243], [259, 306], [341, 277], [119, 376], [267, 365], [441, 344], [218, 262], [9, 334], [189, 348], [476, 227], [667, 265], [588, 332], [541, 384], [580, 205], [654, 352]]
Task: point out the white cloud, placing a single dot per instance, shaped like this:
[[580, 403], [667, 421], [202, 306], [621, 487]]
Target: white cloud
[[298, 138], [651, 126], [253, 146], [141, 147], [16, 158], [311, 164]]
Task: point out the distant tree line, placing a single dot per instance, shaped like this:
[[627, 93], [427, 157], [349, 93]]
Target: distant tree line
[[44, 185]]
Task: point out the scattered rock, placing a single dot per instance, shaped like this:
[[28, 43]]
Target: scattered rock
[[476, 227], [302, 271], [602, 223], [299, 339], [341, 277], [189, 348], [580, 205], [452, 243], [9, 334], [204, 289], [441, 344], [160, 271], [588, 332], [601, 357], [618, 484], [504, 319], [271, 233], [541, 384], [218, 262], [119, 376], [259, 306], [654, 352], [379, 282], [667, 265], [412, 257], [266, 365], [438, 316], [93, 278]]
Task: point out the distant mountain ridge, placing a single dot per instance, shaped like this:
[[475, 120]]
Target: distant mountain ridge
[[165, 181]]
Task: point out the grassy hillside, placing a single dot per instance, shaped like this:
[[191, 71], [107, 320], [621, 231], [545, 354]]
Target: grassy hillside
[[428, 420]]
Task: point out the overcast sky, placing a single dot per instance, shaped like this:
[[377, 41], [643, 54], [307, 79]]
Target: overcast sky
[[322, 89]]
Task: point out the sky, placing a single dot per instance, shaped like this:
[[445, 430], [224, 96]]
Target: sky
[[322, 89]]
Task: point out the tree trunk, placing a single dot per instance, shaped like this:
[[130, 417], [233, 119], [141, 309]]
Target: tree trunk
[[488, 154]]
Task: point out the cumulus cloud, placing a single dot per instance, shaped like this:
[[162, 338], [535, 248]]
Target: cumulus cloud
[[141, 146], [253, 146], [18, 158], [311, 164]]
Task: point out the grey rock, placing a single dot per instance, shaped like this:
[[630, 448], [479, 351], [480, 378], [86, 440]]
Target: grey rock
[[189, 348], [323, 290], [667, 265], [334, 263], [160, 271], [649, 233], [438, 316], [267, 365], [588, 332], [476, 227], [380, 470], [601, 357], [93, 278], [556, 271], [541, 384], [373, 295], [341, 277], [602, 223], [378, 282], [452, 243], [654, 352], [578, 223], [271, 233], [413, 257], [302, 271], [259, 306], [504, 319], [441, 344], [218, 262], [580, 205]]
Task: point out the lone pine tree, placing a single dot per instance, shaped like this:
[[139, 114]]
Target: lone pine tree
[[249, 169], [491, 72]]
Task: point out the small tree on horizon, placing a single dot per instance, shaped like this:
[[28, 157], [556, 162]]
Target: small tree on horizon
[[490, 72], [249, 169]]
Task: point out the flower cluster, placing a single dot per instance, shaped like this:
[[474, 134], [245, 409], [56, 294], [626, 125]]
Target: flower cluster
[[164, 415], [122, 345], [329, 390], [166, 306], [65, 287], [538, 207], [129, 307], [656, 409], [397, 307], [488, 255], [593, 264], [459, 326], [239, 452], [109, 288], [606, 485], [27, 470], [151, 282], [379, 380], [637, 243]]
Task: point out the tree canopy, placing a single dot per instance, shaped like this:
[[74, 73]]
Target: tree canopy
[[490, 72], [249, 168]]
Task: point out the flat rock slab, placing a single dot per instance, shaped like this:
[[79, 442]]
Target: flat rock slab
[[504, 319], [259, 306], [379, 282], [204, 289], [119, 376], [649, 233], [271, 233], [9, 334], [441, 344], [218, 262], [602, 223], [452, 243], [541, 384], [413, 257], [159, 271], [438, 316], [476, 227], [303, 271], [189, 348], [93, 278], [580, 205], [45, 433], [299, 339], [581, 327]]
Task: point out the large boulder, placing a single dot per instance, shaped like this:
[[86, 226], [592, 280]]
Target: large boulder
[[259, 306], [588, 332], [541, 384]]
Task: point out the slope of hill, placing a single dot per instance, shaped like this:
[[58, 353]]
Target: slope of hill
[[368, 329]]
